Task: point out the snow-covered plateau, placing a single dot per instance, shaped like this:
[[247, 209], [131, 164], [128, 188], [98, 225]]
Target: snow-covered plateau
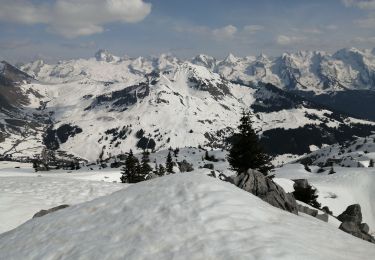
[[180, 216]]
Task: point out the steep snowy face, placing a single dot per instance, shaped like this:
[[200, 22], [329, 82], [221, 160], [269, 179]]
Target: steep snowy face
[[184, 216], [19, 116], [205, 60]]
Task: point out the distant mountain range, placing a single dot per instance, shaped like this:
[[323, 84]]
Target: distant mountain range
[[105, 105]]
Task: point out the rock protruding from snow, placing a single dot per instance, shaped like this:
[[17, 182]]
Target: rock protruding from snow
[[256, 183], [307, 210], [45, 212], [353, 213], [351, 223]]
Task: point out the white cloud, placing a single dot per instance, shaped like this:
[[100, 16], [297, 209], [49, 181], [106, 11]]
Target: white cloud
[[72, 18], [222, 33], [368, 22], [288, 40], [332, 27], [364, 40], [225, 32], [363, 4], [253, 28]]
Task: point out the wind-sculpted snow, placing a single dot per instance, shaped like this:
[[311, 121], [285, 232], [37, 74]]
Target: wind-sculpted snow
[[184, 216]]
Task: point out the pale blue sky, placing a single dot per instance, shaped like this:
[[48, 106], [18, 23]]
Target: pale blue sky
[[61, 29]]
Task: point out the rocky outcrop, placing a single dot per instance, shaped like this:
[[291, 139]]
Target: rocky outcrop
[[261, 186], [184, 166], [312, 212], [351, 223], [307, 210], [352, 213], [45, 212], [323, 217]]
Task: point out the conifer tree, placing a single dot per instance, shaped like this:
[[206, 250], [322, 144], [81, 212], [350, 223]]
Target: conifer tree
[[176, 151], [161, 171], [246, 152], [307, 194], [129, 171], [145, 166], [371, 163], [307, 168], [169, 164]]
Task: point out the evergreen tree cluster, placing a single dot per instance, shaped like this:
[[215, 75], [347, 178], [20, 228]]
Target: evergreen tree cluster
[[47, 160], [136, 171]]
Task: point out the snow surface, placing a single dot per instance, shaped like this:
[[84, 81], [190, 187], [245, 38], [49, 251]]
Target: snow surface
[[24, 192], [181, 216], [337, 191]]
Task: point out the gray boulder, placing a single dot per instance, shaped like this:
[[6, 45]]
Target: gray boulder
[[312, 212], [351, 223], [209, 166], [45, 212], [323, 217], [364, 227], [352, 213], [261, 186], [355, 230], [307, 210]]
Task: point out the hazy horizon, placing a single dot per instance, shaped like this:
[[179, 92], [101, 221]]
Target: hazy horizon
[[67, 29]]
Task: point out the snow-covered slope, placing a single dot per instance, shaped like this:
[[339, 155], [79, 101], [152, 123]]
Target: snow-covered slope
[[184, 216], [21, 121], [355, 153], [345, 187], [24, 192]]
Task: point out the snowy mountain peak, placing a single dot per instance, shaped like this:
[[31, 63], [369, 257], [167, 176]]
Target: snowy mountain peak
[[105, 55], [262, 56], [304, 70], [204, 60], [231, 59]]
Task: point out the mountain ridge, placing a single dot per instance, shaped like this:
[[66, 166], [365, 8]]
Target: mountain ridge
[[94, 108]]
